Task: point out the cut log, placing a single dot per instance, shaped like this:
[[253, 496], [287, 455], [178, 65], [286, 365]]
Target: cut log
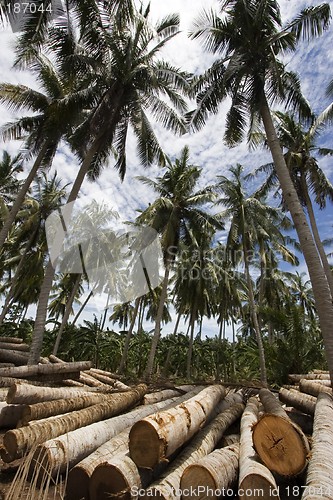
[[281, 444], [28, 394], [319, 480], [10, 415], [18, 441], [253, 475], [309, 376], [201, 445], [320, 371], [78, 479], [74, 383], [55, 359], [155, 397], [19, 358], [33, 370], [101, 378], [156, 437], [14, 347], [44, 361], [120, 386], [47, 409], [212, 474], [9, 381], [311, 387], [87, 379], [107, 373], [302, 402], [11, 340]]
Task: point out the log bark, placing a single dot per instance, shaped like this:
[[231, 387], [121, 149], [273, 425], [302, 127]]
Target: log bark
[[313, 388], [33, 370], [253, 475], [201, 445], [212, 474], [19, 358], [87, 379], [320, 371], [281, 444], [55, 359], [229, 439], [302, 402], [101, 378], [155, 438], [78, 478], [308, 376], [304, 421], [319, 480], [10, 415], [18, 441], [29, 394], [14, 347], [47, 409], [155, 397]]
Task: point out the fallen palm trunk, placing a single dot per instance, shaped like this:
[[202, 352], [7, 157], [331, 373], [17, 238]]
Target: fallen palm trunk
[[319, 480], [253, 475], [119, 476], [155, 397], [74, 383], [212, 474], [10, 415], [313, 388], [281, 444], [44, 361], [106, 373], [101, 378], [11, 340], [120, 386], [25, 393], [88, 380], [33, 370], [156, 437], [309, 376], [9, 381], [302, 402], [18, 441], [47, 409], [55, 359], [19, 358], [168, 486], [14, 347]]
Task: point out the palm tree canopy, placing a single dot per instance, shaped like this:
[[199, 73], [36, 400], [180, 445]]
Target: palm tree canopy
[[249, 38]]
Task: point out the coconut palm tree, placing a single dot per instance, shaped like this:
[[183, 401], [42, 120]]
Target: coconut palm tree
[[249, 38], [177, 215], [129, 82], [9, 184], [306, 174], [253, 225]]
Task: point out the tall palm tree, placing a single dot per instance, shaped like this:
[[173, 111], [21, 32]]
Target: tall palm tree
[[177, 215], [306, 174], [253, 223], [129, 81], [249, 37]]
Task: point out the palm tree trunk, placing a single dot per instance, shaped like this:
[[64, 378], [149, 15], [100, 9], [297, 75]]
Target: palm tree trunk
[[321, 290], [190, 347], [321, 251], [253, 310], [123, 360], [157, 331], [10, 294], [83, 306], [38, 333], [66, 313], [21, 195], [177, 323]]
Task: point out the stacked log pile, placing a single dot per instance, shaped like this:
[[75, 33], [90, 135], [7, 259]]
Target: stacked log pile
[[185, 442]]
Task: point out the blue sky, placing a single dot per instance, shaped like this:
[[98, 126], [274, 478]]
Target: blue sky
[[313, 61]]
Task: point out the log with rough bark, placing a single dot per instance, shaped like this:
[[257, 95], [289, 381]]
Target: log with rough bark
[[14, 347], [320, 371], [313, 388], [78, 478], [120, 386], [74, 383], [253, 475], [19, 441], [309, 376], [55, 359], [87, 379], [34, 370], [19, 359], [302, 402], [319, 480], [26, 393], [47, 409], [201, 445], [212, 474], [10, 415], [101, 378], [156, 437], [281, 444], [11, 340], [155, 397]]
